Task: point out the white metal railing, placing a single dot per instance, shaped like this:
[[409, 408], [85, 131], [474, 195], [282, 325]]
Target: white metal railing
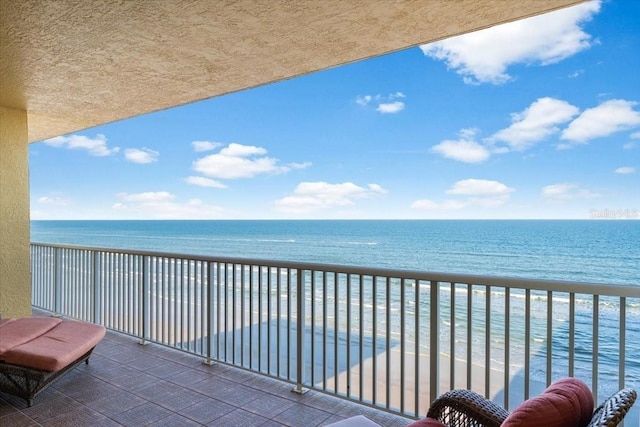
[[393, 339]]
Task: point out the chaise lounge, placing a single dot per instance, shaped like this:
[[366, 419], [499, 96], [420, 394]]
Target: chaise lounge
[[36, 351]]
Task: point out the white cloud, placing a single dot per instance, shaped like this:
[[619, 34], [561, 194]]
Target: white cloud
[[575, 74], [376, 188], [447, 205], [390, 108], [635, 135], [147, 197], [309, 197], [205, 145], [479, 187], [535, 123], [239, 150], [141, 155], [567, 191], [242, 161], [629, 145], [95, 146], [161, 205], [477, 192], [385, 104], [364, 100], [55, 201], [607, 118], [485, 55], [465, 149], [625, 170], [204, 182], [302, 165]]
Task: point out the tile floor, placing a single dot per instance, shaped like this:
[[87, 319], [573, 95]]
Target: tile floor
[[127, 384]]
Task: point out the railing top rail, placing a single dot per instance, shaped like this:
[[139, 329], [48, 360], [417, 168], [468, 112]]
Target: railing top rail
[[602, 289]]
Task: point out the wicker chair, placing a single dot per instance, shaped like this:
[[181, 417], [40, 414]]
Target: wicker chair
[[465, 408]]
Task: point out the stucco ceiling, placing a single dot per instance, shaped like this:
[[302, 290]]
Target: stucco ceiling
[[74, 64]]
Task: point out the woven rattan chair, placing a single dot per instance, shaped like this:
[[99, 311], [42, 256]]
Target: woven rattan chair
[[465, 408]]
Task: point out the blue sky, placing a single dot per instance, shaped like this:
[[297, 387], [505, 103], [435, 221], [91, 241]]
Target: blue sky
[[534, 119]]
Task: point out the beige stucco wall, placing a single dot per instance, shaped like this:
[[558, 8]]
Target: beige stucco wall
[[15, 276]]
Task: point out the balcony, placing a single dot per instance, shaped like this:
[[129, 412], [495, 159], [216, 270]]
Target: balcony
[[387, 341], [133, 385]]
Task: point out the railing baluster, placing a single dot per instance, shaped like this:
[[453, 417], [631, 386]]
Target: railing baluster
[[348, 331], [434, 339], [596, 349], [507, 345], [487, 342], [324, 331], [145, 299], [469, 333], [374, 340], [452, 338], [157, 272], [58, 281], [572, 333], [361, 338], [250, 316], [209, 314], [336, 331], [289, 325], [403, 352], [300, 320], [241, 316], [202, 300], [549, 335], [260, 316], [416, 351], [312, 349], [97, 314], [622, 346], [388, 344], [269, 314], [527, 343], [278, 316], [219, 272]]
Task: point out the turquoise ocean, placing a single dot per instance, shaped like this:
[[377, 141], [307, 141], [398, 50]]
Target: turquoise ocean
[[594, 251], [581, 251]]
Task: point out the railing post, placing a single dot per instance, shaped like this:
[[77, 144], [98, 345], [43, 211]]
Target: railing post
[[57, 282], [97, 296], [146, 288], [210, 304], [300, 315], [434, 338]]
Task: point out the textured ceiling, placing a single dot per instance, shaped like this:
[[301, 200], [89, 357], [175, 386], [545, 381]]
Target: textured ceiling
[[74, 64]]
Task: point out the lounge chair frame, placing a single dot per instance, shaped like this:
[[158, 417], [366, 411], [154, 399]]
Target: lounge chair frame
[[27, 383]]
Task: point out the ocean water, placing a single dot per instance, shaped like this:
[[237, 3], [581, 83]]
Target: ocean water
[[583, 251]]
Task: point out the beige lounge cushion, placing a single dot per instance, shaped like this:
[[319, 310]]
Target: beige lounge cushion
[[57, 348], [24, 330]]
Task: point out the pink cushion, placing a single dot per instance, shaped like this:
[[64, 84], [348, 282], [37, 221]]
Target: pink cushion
[[427, 422], [573, 388], [24, 330], [58, 347], [565, 403], [5, 321]]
